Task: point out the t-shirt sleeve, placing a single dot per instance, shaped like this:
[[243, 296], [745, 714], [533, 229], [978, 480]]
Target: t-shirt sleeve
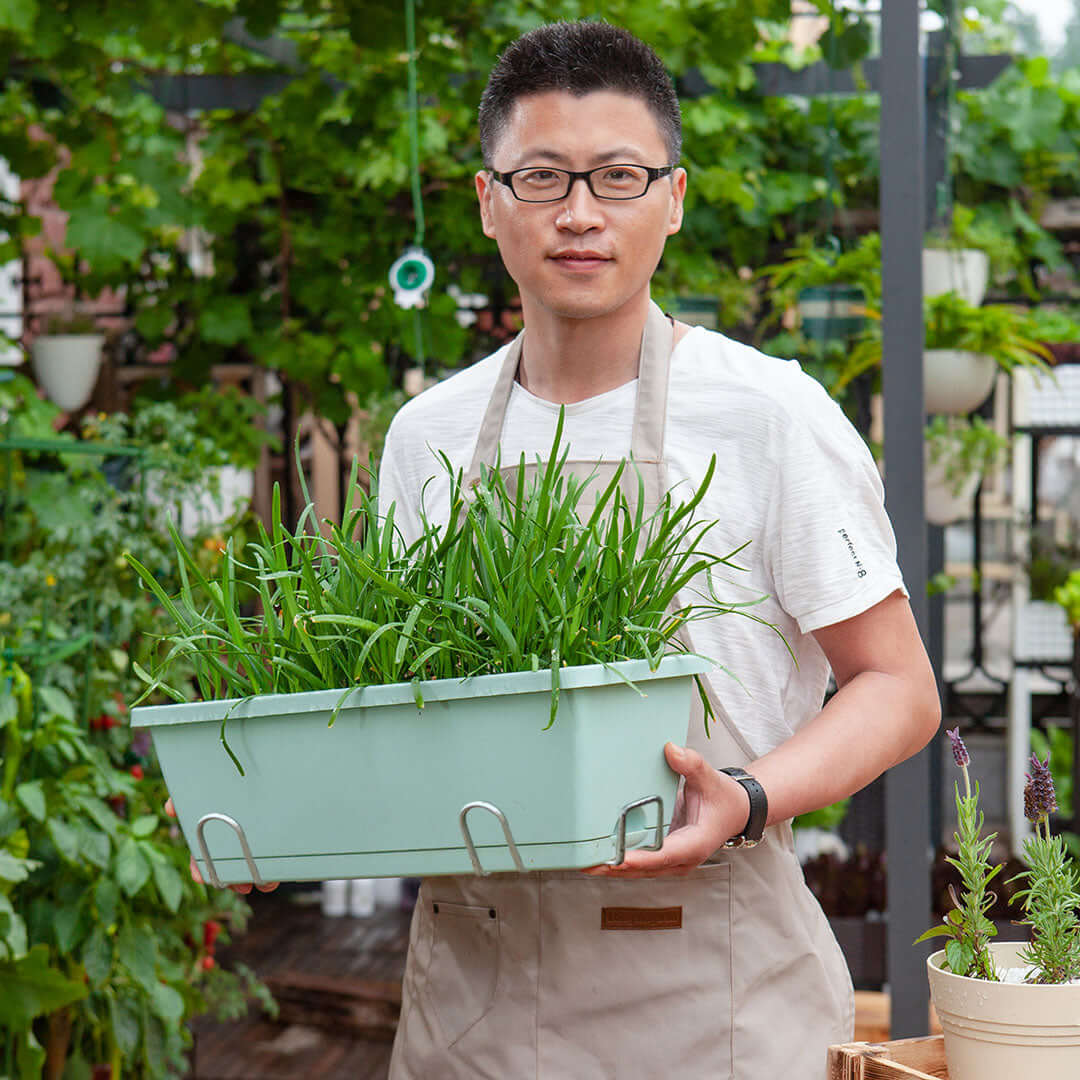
[[831, 546]]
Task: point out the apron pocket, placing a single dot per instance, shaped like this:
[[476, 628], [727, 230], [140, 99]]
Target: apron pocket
[[464, 965], [636, 977]]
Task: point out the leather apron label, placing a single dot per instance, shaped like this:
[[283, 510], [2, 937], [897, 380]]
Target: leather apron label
[[641, 918]]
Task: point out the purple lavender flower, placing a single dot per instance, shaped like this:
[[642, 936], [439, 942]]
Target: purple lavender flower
[[959, 750], [1040, 800]]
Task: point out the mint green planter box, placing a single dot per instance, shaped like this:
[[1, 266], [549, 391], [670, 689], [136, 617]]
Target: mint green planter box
[[392, 790]]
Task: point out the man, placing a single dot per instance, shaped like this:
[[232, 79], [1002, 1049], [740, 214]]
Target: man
[[731, 970]]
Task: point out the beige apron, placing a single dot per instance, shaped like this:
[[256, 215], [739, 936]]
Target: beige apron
[[730, 972]]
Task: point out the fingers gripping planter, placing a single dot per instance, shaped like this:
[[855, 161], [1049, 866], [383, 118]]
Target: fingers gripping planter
[[475, 781], [995, 1030]]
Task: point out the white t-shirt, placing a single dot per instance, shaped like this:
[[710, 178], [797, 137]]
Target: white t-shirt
[[793, 477]]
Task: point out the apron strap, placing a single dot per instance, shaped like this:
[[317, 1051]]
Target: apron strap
[[650, 409]]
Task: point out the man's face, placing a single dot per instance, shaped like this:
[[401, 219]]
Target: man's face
[[542, 244]]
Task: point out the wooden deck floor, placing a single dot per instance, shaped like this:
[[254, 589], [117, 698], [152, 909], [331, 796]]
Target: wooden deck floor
[[338, 976], [294, 944]]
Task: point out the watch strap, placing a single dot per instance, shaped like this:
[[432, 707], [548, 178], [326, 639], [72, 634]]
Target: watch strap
[[759, 809]]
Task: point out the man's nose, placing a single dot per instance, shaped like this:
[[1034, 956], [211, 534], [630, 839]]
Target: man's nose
[[580, 209]]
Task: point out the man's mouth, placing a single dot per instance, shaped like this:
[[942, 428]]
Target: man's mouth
[[580, 260]]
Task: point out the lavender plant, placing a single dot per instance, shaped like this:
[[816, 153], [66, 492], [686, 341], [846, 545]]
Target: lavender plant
[[1052, 896], [967, 952]]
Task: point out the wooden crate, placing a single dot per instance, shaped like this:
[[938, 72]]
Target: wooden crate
[[904, 1059]]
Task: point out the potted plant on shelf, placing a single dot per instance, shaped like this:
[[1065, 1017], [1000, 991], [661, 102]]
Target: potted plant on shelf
[[504, 657], [955, 258], [959, 454], [965, 348], [828, 288], [67, 357], [1010, 1008]]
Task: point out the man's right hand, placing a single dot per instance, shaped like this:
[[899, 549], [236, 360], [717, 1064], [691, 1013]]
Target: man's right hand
[[244, 889]]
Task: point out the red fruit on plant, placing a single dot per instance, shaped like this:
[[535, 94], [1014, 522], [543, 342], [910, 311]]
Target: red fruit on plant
[[137, 771], [101, 1072], [118, 803], [208, 963], [210, 932]]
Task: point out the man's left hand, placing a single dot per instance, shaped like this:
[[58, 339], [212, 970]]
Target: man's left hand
[[711, 809]]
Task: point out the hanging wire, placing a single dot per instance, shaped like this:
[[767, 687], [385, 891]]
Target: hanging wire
[[414, 155]]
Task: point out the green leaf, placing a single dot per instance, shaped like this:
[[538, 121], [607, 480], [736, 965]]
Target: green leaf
[[97, 957], [29, 987], [18, 15], [13, 869], [94, 845], [57, 703], [166, 1003], [65, 925], [106, 900], [100, 813], [32, 795], [125, 1024], [136, 949], [169, 884], [12, 929], [226, 321], [131, 868], [145, 825], [65, 838], [29, 1056]]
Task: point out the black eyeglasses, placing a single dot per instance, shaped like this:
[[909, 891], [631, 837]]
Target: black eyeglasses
[[541, 183]]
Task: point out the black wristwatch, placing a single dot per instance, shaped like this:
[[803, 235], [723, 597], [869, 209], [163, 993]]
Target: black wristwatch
[[759, 810]]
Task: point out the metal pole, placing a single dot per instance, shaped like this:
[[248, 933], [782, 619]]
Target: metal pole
[[903, 203]]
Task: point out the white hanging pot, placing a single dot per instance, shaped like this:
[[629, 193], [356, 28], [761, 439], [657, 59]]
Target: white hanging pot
[[956, 382], [1000, 1031], [965, 271], [66, 367], [943, 505]]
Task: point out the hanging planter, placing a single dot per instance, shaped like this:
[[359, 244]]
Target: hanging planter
[[956, 381], [964, 271], [66, 367], [944, 504], [999, 1031], [832, 312], [393, 790]]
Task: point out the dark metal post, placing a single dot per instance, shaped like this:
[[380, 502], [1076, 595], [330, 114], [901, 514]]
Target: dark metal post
[[903, 203]]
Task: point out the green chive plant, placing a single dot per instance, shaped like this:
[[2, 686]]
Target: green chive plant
[[1049, 901], [517, 579]]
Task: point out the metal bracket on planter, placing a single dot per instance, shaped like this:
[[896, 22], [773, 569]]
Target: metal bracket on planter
[[620, 828], [501, 817], [237, 828]]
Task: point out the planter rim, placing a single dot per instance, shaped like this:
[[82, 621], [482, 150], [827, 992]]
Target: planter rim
[[512, 682], [1010, 950], [69, 337]]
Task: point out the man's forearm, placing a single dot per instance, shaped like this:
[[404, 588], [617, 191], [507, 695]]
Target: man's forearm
[[873, 722]]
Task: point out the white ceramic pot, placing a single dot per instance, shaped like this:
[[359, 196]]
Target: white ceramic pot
[[66, 367], [943, 506], [995, 1031], [962, 271], [235, 487], [956, 382]]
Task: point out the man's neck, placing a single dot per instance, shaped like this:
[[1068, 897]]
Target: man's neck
[[568, 360]]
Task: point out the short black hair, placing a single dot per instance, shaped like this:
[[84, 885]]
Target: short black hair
[[579, 57]]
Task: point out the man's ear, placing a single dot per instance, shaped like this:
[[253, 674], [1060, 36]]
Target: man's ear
[[484, 191], [678, 194]]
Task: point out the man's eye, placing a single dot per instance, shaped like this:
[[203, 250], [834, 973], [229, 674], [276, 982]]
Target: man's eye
[[539, 176], [619, 175]]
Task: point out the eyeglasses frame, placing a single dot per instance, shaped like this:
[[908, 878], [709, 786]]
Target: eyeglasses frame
[[506, 178]]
